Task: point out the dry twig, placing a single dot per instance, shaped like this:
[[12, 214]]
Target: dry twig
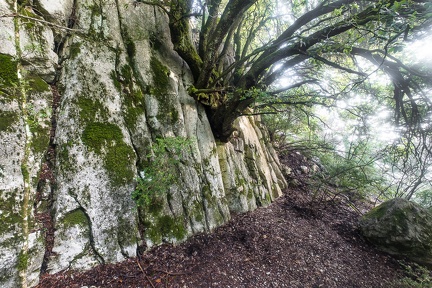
[[142, 270]]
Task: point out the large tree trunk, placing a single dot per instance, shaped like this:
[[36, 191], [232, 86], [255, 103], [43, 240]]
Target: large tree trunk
[[222, 118]]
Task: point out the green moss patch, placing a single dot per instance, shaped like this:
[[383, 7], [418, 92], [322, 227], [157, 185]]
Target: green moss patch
[[40, 125], [23, 260], [65, 160], [160, 76], [8, 71], [133, 97], [28, 24], [24, 171], [166, 227], [212, 204], [377, 212], [98, 135], [10, 216], [37, 84], [106, 139], [116, 82], [126, 232], [134, 102], [118, 163], [90, 108], [96, 32], [75, 217], [7, 119], [400, 227], [156, 205], [197, 211], [167, 111], [40, 137], [74, 50], [155, 43]]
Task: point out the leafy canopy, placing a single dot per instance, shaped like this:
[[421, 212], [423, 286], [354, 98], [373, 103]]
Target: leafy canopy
[[236, 46]]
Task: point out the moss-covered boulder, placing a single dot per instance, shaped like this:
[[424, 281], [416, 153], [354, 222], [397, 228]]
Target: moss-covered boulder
[[401, 228]]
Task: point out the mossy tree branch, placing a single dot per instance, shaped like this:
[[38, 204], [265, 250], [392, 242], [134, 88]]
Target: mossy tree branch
[[329, 29]]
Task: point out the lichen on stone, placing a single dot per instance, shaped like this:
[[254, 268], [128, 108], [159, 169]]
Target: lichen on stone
[[96, 31], [64, 159], [134, 102], [110, 92]]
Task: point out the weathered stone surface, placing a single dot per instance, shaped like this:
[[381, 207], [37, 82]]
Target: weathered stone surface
[[57, 11], [121, 87], [400, 227], [25, 124], [250, 168], [7, 30]]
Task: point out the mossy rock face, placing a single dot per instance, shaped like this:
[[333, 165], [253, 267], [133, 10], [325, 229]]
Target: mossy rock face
[[7, 119], [37, 84], [107, 140], [8, 71], [160, 76], [401, 228], [75, 217], [165, 229]]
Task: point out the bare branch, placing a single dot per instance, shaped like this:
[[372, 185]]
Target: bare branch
[[13, 15]]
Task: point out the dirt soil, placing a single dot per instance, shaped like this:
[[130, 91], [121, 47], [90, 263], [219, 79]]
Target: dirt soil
[[295, 242]]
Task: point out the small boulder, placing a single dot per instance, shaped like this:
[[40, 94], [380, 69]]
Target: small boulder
[[286, 170], [304, 169], [401, 228]]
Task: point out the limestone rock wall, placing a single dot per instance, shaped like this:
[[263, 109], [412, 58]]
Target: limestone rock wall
[[86, 88]]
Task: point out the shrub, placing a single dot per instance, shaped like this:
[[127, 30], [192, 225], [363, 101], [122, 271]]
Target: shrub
[[161, 169]]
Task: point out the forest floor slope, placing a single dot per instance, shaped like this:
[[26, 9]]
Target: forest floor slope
[[295, 242]]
